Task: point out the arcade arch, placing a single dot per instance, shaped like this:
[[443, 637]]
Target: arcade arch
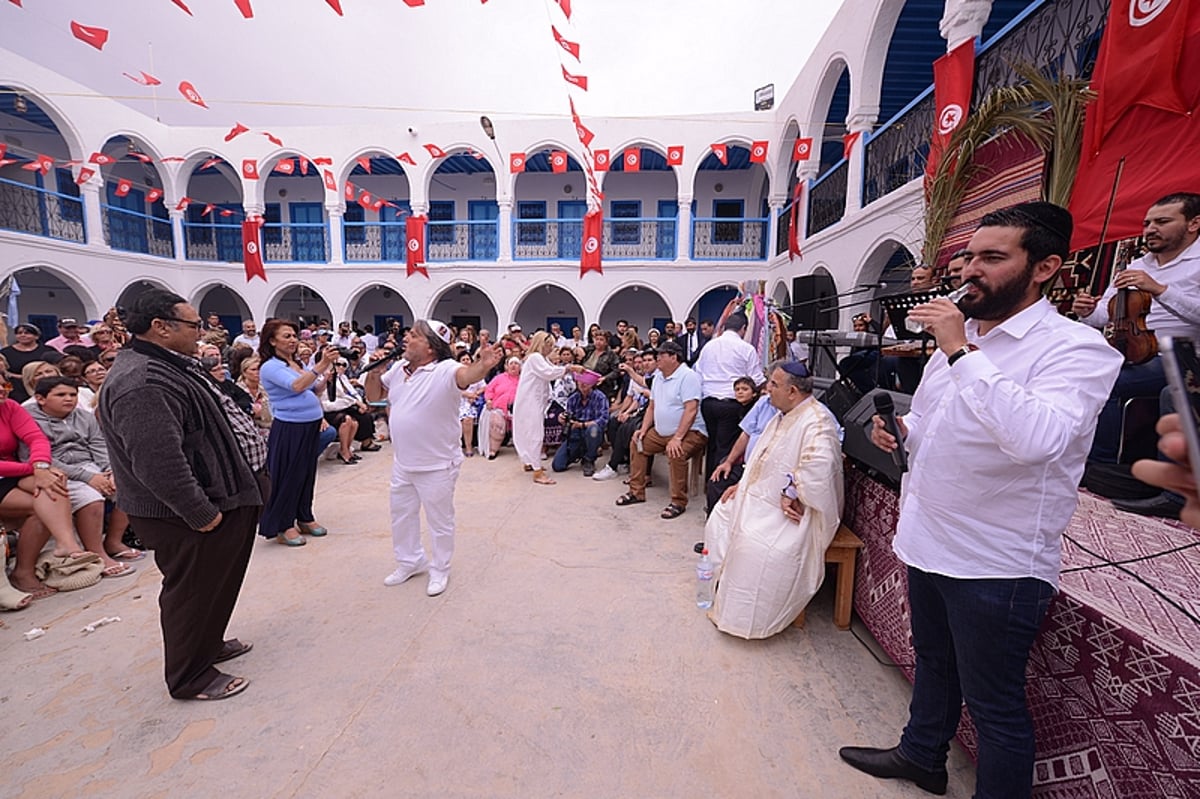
[[641, 306], [461, 304], [546, 304]]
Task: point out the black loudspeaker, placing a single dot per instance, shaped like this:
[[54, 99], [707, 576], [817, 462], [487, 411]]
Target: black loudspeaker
[[840, 397], [814, 302], [856, 441]]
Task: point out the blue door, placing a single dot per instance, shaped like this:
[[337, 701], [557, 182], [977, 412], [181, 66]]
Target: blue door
[[570, 232], [229, 241], [393, 239], [128, 231], [666, 245], [308, 232], [483, 244]]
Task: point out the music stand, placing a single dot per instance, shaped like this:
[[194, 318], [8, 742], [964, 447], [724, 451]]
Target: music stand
[[897, 307]]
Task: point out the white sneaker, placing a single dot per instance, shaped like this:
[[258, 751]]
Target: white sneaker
[[331, 452], [623, 468], [404, 572], [437, 583], [606, 473]]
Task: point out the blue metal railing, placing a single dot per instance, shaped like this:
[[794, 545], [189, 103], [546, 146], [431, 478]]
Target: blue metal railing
[[133, 231], [729, 238], [296, 242], [26, 208], [212, 241]]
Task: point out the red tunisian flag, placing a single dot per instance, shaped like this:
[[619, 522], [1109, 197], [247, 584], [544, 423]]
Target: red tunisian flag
[[794, 223], [154, 195], [414, 231], [237, 130], [558, 161], [575, 80], [434, 151], [593, 238], [250, 168], [285, 167], [721, 151], [87, 34], [123, 187], [1139, 63], [953, 81], [85, 174], [758, 152], [848, 143], [330, 182], [516, 162], [252, 249], [1148, 136], [601, 158], [802, 149], [675, 155], [565, 43], [632, 159]]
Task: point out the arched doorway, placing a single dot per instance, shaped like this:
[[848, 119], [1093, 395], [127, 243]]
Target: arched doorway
[[378, 304], [136, 289], [462, 229], [225, 303], [640, 306], [546, 305], [303, 305], [461, 304], [712, 304], [45, 298], [212, 223]]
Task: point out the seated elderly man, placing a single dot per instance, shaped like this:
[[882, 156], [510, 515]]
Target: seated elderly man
[[77, 448], [671, 424], [583, 423], [768, 535]]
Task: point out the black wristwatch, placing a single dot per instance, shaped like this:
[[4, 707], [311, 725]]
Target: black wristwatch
[[965, 349]]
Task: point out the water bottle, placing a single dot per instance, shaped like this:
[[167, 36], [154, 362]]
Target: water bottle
[[955, 296], [704, 582]]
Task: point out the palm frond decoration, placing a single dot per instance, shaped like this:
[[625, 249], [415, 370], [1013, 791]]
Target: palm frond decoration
[[1047, 111]]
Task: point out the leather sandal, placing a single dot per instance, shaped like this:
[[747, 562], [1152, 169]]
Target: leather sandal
[[672, 511], [628, 499]]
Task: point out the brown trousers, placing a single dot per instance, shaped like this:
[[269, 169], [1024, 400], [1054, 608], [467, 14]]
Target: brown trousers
[[202, 577], [652, 444]]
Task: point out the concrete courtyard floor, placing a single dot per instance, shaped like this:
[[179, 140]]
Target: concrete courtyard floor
[[567, 658]]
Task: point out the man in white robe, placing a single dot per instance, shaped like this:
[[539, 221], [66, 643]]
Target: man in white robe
[[768, 535]]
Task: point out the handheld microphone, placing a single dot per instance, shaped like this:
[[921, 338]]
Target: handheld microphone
[[886, 408]]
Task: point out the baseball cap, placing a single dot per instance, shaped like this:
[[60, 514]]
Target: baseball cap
[[440, 329]]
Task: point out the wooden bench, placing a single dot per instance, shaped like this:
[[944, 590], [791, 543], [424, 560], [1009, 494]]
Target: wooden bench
[[841, 553]]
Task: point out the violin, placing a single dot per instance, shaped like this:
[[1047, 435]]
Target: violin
[[1126, 329]]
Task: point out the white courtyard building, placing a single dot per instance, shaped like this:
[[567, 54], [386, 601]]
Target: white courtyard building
[[502, 246]]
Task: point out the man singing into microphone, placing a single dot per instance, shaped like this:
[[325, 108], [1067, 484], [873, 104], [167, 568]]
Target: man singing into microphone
[[997, 437]]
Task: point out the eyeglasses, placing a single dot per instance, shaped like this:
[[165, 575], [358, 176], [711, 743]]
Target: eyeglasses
[[193, 324]]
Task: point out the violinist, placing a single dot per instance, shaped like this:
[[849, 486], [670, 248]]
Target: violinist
[[1170, 274]]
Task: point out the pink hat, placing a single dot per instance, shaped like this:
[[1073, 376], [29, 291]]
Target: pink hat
[[587, 378]]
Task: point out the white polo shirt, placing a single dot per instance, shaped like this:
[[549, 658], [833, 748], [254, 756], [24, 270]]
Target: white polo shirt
[[423, 415], [669, 395]]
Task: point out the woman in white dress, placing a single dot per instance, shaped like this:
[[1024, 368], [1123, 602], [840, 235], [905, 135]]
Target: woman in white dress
[[529, 407]]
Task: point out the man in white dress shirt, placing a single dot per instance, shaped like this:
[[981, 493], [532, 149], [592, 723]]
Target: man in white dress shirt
[[1170, 272], [723, 360], [997, 438]]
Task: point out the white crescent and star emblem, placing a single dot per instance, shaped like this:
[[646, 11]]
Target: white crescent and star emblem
[[558, 159], [591, 245], [251, 248], [602, 158], [949, 118], [802, 149], [249, 170], [518, 161], [414, 245], [1143, 12], [631, 159], [758, 151]]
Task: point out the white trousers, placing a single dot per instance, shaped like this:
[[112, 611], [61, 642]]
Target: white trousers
[[433, 491]]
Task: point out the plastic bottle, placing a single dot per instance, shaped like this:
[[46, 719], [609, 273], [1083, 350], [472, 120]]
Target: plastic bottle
[[704, 582]]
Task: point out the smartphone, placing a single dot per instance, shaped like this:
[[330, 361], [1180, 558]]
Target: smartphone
[[1183, 376]]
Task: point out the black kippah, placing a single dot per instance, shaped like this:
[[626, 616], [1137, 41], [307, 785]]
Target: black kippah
[[1051, 217]]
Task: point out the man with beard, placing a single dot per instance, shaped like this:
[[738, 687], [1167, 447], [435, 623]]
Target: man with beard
[[1170, 271], [997, 438]]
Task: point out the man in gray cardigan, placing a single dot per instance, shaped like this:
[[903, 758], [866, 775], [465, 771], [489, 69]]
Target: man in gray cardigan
[[187, 463]]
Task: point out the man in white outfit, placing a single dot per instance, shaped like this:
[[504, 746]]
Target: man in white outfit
[[423, 391]]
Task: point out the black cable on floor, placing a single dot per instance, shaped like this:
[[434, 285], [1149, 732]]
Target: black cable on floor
[[1138, 577]]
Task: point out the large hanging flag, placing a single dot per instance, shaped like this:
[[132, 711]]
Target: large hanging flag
[[252, 249], [593, 238], [1134, 117], [953, 80], [414, 230], [88, 34], [794, 222]]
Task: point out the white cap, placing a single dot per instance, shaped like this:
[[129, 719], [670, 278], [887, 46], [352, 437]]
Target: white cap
[[440, 329]]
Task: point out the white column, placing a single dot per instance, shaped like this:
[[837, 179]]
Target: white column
[[335, 212], [861, 121], [963, 20], [683, 229], [177, 218], [807, 173], [774, 206], [93, 216], [505, 237]]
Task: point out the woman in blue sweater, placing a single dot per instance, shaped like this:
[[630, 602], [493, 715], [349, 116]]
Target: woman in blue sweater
[[293, 445]]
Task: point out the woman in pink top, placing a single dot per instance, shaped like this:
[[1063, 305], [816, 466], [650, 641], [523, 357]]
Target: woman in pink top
[[33, 496], [500, 395]]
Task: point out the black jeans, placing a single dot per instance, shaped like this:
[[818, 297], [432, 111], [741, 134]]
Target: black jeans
[[721, 417]]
